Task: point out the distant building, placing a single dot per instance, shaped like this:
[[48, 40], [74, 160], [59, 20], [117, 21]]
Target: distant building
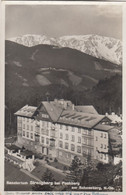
[[115, 119], [62, 130]]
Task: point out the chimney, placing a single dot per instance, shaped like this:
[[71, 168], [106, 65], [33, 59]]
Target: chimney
[[65, 105], [72, 106]]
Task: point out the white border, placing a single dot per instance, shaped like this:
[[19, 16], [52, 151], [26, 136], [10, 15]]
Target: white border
[[2, 79]]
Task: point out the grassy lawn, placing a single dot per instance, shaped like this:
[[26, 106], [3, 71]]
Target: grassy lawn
[[58, 165], [13, 174], [40, 169]]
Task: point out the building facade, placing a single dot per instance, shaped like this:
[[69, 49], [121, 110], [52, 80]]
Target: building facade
[[61, 130]]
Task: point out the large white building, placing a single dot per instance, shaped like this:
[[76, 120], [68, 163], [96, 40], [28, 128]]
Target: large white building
[[61, 130]]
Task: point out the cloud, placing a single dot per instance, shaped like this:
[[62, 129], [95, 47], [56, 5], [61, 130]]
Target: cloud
[[112, 11], [60, 20]]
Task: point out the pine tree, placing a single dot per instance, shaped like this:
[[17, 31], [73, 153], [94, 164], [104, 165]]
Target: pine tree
[[75, 173], [48, 176]]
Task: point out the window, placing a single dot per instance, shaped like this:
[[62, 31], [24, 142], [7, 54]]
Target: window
[[19, 124], [28, 134], [67, 137], [105, 135], [105, 147], [61, 126], [73, 138], [49, 124], [101, 145], [78, 149], [101, 134], [67, 128], [43, 123], [85, 140], [79, 130], [31, 128], [27, 127], [45, 115], [60, 144], [61, 136], [101, 156], [72, 147], [47, 140], [104, 156], [42, 131], [89, 151], [89, 132], [42, 140], [31, 135], [73, 129], [66, 145], [79, 139], [85, 131], [23, 126], [32, 120], [23, 133], [47, 132], [19, 118], [96, 138]]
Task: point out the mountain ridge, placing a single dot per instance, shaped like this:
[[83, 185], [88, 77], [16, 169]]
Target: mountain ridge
[[107, 48]]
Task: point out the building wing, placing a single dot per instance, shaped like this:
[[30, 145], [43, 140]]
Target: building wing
[[26, 111], [86, 109]]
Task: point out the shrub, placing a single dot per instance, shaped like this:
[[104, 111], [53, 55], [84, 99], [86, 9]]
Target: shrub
[[55, 160], [39, 156], [64, 168], [36, 163]]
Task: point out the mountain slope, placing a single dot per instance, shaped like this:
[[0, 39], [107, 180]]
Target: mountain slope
[[73, 67], [32, 72], [106, 48]]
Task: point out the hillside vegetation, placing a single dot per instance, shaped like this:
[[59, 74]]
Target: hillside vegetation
[[32, 73]]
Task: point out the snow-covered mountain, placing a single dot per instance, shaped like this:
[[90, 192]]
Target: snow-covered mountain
[[101, 47], [106, 48], [32, 40]]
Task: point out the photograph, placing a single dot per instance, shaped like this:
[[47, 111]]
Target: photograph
[[63, 97]]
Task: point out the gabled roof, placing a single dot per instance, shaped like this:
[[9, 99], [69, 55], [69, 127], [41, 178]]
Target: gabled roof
[[64, 112], [81, 119], [54, 110], [86, 109], [26, 111]]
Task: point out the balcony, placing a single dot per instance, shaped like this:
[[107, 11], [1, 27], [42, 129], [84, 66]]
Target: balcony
[[53, 135], [37, 140], [52, 145], [89, 155], [87, 136], [37, 130], [88, 145]]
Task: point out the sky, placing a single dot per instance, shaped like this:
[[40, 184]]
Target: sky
[[61, 20]]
